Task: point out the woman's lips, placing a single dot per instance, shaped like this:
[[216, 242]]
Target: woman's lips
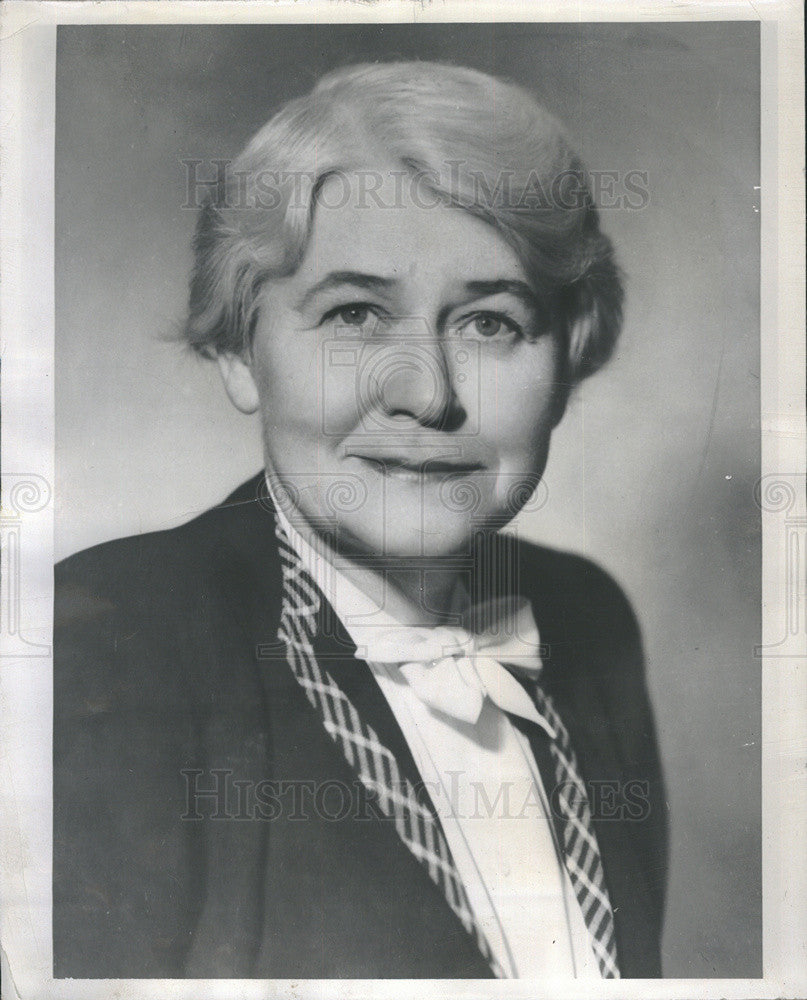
[[398, 467]]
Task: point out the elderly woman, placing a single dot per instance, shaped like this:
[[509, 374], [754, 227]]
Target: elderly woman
[[340, 726]]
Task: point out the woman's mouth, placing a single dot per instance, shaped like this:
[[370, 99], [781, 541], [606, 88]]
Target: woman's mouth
[[406, 469]]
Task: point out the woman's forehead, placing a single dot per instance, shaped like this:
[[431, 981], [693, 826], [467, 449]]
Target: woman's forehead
[[388, 223]]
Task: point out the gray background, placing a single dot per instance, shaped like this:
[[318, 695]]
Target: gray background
[[651, 472]]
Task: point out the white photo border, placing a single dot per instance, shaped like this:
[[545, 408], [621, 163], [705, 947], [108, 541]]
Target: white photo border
[[27, 77]]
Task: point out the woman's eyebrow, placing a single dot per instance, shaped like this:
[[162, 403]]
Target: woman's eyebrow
[[335, 279], [479, 289]]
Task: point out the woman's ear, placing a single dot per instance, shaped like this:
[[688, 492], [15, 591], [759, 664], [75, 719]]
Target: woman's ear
[[238, 381]]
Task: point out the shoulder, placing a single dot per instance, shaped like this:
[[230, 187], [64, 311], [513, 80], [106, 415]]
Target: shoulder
[[149, 576], [160, 559], [591, 643], [162, 606], [556, 566], [154, 636], [578, 601]]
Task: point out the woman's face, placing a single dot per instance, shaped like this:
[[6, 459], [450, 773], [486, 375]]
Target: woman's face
[[405, 379]]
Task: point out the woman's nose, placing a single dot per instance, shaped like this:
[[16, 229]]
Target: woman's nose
[[407, 376]]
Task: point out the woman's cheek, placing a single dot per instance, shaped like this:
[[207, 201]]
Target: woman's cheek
[[291, 380], [523, 425]]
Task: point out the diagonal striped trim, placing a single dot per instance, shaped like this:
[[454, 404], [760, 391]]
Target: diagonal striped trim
[[581, 851], [375, 765]]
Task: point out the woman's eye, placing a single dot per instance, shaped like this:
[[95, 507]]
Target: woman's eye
[[489, 325], [358, 315], [354, 315]]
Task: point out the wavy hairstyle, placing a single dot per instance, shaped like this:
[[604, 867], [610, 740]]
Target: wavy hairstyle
[[473, 141]]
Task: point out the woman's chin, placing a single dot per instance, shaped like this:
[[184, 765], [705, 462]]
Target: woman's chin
[[394, 539]]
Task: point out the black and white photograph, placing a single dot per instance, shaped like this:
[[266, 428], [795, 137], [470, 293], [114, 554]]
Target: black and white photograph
[[395, 528]]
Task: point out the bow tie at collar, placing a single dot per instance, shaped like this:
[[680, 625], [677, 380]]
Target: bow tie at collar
[[453, 670]]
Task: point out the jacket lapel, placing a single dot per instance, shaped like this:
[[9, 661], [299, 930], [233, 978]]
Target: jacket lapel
[[316, 883], [343, 895]]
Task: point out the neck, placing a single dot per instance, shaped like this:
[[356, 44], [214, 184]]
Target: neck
[[422, 595], [414, 595], [417, 594]]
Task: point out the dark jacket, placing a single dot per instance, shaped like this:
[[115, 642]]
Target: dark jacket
[[169, 681]]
